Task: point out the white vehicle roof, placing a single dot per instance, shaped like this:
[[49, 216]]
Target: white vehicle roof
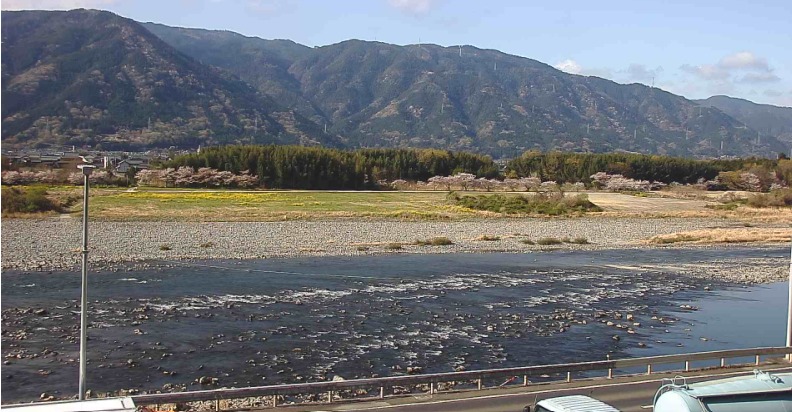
[[575, 403], [92, 405]]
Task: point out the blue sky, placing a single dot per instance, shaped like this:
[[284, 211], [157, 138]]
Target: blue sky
[[696, 48]]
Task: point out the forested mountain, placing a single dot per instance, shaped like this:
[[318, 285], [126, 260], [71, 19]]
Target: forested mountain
[[764, 118], [382, 95], [92, 77], [88, 76]]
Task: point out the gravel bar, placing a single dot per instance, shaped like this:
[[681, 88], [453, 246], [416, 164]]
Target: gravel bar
[[53, 244]]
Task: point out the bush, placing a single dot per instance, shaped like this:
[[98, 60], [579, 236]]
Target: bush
[[207, 244], [776, 198], [579, 241], [362, 248], [394, 246], [552, 204], [528, 242], [28, 200], [164, 247], [435, 241], [488, 238], [441, 241], [545, 241]]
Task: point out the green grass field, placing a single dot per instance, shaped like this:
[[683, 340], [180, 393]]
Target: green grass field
[[271, 205]]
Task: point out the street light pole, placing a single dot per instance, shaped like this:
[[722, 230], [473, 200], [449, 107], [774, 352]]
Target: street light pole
[[789, 312], [86, 170]]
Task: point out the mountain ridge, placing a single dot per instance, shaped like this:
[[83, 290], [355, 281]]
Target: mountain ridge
[[358, 93], [764, 118], [92, 77]]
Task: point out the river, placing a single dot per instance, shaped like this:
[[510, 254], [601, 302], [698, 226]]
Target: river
[[163, 325]]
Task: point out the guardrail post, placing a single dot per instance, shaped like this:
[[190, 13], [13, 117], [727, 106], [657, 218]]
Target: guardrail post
[[610, 370], [329, 396], [479, 384], [723, 362], [649, 369], [757, 360], [382, 392], [431, 388], [217, 404], [274, 401], [525, 380], [687, 366], [569, 377]]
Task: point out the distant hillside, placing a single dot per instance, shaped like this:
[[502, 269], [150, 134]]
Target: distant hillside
[[383, 95], [91, 77], [764, 118]]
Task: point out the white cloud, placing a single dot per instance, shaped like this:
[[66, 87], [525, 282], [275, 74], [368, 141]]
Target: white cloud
[[569, 66], [416, 7], [732, 73], [744, 60], [54, 4], [768, 77], [708, 72]]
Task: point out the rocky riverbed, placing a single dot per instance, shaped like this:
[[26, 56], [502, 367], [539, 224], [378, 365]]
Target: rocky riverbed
[[52, 244]]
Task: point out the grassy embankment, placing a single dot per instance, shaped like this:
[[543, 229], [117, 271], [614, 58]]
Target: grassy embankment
[[202, 205]]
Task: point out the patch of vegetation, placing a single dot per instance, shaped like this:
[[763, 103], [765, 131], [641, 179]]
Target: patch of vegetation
[[362, 248], [546, 241], [727, 206], [207, 244], [488, 238], [551, 204], [776, 198], [435, 241], [675, 239], [164, 247], [579, 241], [527, 242], [394, 246], [28, 200]]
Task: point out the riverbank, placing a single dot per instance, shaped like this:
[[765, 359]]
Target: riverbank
[[53, 243]]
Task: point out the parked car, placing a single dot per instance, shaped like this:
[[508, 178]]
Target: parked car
[[760, 392], [572, 403]]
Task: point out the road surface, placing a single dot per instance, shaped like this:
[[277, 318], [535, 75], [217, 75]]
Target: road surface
[[630, 394]]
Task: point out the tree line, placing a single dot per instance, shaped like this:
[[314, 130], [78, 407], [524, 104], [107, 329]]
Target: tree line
[[579, 167], [298, 167]]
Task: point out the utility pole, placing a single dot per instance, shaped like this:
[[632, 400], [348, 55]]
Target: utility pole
[[86, 170], [789, 312]]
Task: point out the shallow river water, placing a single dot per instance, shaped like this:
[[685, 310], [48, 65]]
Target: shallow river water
[[163, 325]]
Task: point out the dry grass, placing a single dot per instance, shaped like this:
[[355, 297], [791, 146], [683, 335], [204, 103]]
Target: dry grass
[[731, 235], [742, 213]]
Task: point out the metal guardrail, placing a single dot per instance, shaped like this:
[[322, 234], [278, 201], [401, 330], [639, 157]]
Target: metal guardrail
[[383, 384]]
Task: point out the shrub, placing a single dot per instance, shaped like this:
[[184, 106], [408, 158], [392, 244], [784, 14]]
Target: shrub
[[207, 244], [27, 200], [488, 238], [545, 241], [164, 247], [552, 204], [776, 198], [579, 241], [528, 242], [441, 241], [362, 248], [394, 246], [435, 241]]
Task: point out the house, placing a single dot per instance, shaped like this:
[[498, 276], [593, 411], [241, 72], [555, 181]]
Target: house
[[135, 164]]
